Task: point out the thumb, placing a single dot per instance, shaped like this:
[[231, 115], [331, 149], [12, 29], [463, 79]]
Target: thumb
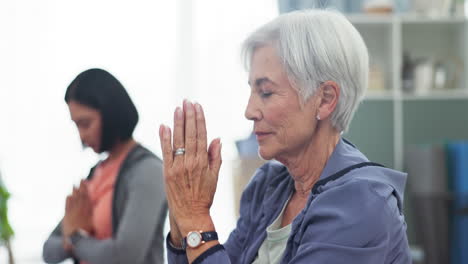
[[214, 155]]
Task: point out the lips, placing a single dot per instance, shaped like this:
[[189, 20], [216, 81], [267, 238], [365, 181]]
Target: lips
[[261, 135]]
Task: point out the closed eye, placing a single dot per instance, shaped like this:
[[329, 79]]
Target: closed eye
[[265, 94], [83, 124]]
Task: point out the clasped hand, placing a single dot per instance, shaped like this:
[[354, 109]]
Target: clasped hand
[[190, 176], [78, 211]]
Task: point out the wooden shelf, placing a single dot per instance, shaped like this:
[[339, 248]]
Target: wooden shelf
[[373, 19], [418, 19], [449, 94], [379, 95]]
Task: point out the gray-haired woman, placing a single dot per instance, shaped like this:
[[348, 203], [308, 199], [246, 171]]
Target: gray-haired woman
[[321, 201]]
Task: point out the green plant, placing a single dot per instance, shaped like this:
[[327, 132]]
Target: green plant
[[6, 232]]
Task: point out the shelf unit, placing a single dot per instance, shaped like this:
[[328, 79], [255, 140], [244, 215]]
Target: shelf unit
[[390, 119]]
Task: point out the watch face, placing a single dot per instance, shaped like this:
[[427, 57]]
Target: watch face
[[194, 239]]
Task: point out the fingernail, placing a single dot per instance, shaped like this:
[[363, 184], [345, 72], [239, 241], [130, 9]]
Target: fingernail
[[178, 113], [167, 131], [189, 106], [198, 108]]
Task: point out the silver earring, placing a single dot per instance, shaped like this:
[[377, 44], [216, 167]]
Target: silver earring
[[318, 117]]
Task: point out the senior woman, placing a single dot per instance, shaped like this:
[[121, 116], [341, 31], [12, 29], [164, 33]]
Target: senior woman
[[321, 201]]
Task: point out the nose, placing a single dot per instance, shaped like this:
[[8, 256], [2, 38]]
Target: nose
[[252, 111], [82, 135]]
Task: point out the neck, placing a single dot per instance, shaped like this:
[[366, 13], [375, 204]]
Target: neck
[[307, 166], [120, 147]]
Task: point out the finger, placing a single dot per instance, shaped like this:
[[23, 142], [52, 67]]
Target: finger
[[85, 191], [201, 132], [85, 187], [71, 202], [190, 132], [79, 195], [214, 156], [165, 139], [81, 188], [179, 140], [68, 202]]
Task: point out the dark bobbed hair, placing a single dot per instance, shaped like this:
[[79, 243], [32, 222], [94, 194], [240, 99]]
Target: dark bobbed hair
[[100, 90]]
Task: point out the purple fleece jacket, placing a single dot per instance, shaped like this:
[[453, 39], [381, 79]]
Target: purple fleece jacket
[[352, 216]]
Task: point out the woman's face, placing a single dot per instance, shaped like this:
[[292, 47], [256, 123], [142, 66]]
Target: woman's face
[[283, 127], [89, 124]]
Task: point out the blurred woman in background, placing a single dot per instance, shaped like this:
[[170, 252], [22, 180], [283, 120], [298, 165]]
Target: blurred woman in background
[[117, 214]]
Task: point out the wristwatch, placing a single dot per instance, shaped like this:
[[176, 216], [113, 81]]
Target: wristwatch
[[196, 238]]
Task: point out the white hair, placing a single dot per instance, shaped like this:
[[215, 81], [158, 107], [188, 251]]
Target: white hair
[[317, 46]]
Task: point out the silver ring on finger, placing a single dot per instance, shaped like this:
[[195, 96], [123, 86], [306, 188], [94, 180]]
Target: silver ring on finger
[[179, 151]]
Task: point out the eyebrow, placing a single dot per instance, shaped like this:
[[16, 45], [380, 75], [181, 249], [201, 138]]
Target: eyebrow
[[260, 81]]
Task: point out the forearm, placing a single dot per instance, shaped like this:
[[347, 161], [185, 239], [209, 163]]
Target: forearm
[[95, 251], [53, 250]]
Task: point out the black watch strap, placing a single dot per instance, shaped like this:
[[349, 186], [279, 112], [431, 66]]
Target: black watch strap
[[209, 236], [206, 236]]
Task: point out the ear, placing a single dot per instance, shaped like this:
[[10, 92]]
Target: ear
[[329, 94]]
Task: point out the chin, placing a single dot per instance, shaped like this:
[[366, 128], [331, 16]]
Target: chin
[[96, 150], [265, 154]]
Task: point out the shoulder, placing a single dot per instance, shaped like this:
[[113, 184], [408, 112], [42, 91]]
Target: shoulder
[[348, 215], [141, 165], [140, 157], [359, 202]]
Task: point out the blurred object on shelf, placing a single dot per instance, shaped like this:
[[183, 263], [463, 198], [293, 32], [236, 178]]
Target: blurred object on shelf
[[433, 232], [432, 8], [458, 171], [402, 6], [431, 199], [248, 148], [378, 6], [417, 254], [245, 166], [407, 74], [458, 8], [453, 68], [427, 169], [340, 5], [376, 78], [423, 76], [242, 171], [344, 6], [440, 76]]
